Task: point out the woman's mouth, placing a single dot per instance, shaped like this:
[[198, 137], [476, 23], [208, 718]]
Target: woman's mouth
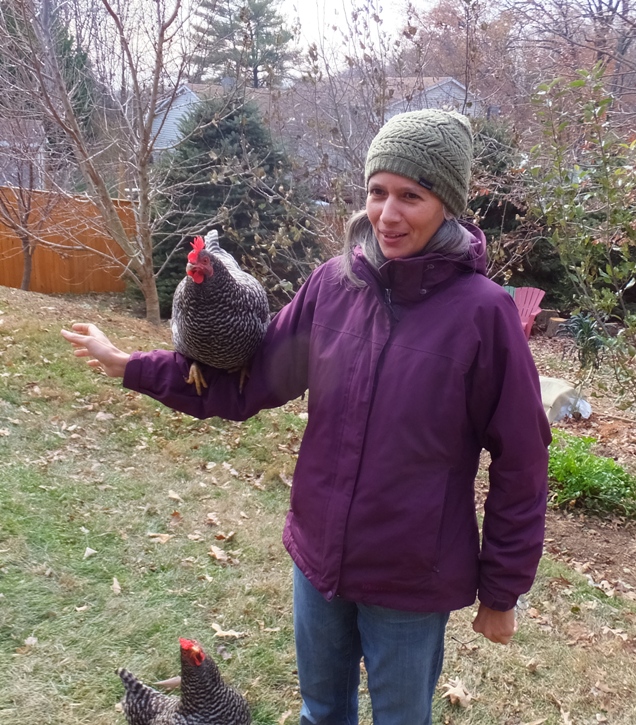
[[392, 236]]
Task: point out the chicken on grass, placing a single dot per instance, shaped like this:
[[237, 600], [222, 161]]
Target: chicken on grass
[[205, 698], [219, 312]]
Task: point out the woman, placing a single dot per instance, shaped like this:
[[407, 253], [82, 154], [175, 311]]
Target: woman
[[414, 362]]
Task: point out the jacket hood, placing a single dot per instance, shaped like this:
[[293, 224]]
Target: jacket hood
[[413, 278]]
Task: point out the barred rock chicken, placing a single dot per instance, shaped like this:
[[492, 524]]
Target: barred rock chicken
[[219, 312], [205, 698]]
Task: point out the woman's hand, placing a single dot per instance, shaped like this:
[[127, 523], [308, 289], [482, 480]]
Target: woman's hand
[[89, 341], [496, 626]]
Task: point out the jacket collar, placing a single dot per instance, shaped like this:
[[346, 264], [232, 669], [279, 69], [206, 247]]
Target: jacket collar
[[416, 278]]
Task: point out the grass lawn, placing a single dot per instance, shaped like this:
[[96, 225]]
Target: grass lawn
[[124, 525]]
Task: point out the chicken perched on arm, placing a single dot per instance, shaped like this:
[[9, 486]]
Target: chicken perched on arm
[[205, 698], [219, 312]]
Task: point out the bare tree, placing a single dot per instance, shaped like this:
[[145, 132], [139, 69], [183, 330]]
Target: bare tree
[[24, 208], [574, 34], [137, 58], [350, 78]]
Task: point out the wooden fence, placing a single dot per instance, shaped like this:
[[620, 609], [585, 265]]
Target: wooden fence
[[72, 255]]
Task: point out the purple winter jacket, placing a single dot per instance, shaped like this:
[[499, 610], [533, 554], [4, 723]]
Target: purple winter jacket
[[409, 378]]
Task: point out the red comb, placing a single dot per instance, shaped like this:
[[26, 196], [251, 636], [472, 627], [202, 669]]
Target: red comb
[[197, 245], [193, 651]]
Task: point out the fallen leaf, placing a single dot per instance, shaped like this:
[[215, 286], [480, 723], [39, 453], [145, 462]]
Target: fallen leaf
[[89, 552], [160, 538], [601, 687], [217, 553], [565, 715], [229, 633], [170, 684], [116, 587], [457, 693], [5, 432], [212, 519], [263, 628], [220, 536], [174, 496], [620, 633], [104, 416], [31, 641], [533, 666], [579, 634]]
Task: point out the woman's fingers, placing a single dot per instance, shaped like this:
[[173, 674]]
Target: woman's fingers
[[89, 341]]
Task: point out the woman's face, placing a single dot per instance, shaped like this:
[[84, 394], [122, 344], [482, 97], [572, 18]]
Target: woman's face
[[403, 214]]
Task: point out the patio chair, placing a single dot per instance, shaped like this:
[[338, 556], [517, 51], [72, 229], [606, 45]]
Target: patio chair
[[527, 300]]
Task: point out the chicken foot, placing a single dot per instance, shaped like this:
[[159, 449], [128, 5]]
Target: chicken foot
[[196, 378]]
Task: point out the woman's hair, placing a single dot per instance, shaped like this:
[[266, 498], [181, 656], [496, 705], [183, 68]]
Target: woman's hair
[[451, 239]]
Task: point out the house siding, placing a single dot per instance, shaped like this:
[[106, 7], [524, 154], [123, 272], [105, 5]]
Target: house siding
[[167, 122], [446, 95]]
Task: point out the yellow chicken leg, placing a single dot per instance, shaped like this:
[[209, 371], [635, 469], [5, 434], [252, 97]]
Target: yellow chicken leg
[[196, 378]]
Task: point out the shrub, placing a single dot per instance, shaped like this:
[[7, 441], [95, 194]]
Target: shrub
[[580, 478]]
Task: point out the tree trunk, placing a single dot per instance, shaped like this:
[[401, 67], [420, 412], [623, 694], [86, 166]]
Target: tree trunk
[[151, 298], [27, 254]]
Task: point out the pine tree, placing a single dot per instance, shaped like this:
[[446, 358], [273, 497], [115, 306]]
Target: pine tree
[[245, 41], [230, 176]]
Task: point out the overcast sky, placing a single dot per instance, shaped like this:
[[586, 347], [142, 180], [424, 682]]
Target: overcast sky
[[316, 15]]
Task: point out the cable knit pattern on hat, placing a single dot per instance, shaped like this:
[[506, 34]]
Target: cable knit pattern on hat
[[434, 148]]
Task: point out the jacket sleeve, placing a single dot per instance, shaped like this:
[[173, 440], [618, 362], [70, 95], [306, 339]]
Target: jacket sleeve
[[278, 371], [507, 411]]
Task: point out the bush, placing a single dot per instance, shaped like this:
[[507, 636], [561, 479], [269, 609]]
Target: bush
[[594, 483]]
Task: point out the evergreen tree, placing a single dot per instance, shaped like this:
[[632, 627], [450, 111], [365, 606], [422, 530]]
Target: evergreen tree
[[227, 174], [243, 40]]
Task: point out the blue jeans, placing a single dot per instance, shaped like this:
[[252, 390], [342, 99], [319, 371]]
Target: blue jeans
[[403, 654]]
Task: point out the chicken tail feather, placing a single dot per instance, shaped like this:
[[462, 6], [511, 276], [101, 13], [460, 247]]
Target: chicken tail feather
[[212, 241], [141, 703]]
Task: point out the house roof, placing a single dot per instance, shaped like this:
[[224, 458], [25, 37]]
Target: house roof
[[174, 106]]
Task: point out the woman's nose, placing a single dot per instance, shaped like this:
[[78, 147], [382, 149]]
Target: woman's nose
[[390, 211]]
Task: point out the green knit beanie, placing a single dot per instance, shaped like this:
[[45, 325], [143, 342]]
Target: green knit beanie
[[434, 148]]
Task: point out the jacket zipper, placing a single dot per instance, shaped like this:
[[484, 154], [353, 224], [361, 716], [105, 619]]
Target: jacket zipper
[[388, 302]]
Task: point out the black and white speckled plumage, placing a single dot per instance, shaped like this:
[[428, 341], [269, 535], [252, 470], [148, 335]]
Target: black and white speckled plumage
[[222, 320], [205, 699]]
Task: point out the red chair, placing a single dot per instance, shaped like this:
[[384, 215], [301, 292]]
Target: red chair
[[527, 300]]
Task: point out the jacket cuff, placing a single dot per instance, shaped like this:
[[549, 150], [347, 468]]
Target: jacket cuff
[[132, 372], [499, 605]]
